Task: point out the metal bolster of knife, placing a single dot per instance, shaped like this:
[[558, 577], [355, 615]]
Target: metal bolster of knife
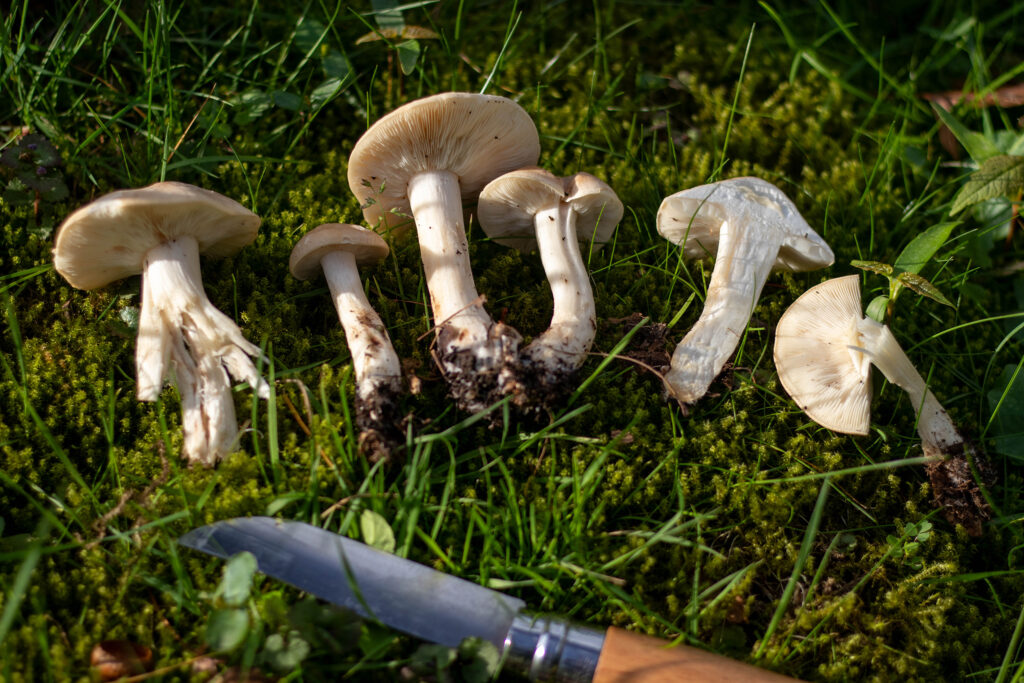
[[552, 649]]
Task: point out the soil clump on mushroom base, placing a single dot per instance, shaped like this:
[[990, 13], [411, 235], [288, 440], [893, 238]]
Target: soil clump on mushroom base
[[956, 491], [468, 385], [381, 425]]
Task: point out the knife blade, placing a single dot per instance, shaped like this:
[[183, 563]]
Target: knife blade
[[445, 609]]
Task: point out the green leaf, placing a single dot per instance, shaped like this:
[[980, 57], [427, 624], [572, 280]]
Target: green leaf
[[877, 309], [408, 53], [977, 145], [376, 531], [237, 582], [227, 629], [916, 283], [483, 660], [308, 33], [285, 654], [1007, 428], [387, 15], [923, 247], [286, 100], [874, 267], [336, 65], [325, 92], [1000, 176]]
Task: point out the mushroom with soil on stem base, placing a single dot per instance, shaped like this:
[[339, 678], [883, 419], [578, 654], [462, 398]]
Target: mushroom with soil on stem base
[[529, 208], [752, 227], [160, 231], [337, 250], [427, 158], [824, 350]]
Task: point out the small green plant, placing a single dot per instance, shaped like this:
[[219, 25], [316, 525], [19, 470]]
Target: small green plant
[[33, 166], [906, 547], [905, 272]]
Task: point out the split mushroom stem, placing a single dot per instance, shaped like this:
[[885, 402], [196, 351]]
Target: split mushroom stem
[[337, 250], [574, 317], [160, 231]]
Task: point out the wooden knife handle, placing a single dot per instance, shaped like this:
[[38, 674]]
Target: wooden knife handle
[[632, 658]]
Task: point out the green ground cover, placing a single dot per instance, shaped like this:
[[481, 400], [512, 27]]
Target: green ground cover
[[743, 527]]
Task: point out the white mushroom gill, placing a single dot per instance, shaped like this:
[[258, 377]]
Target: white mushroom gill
[[180, 329]]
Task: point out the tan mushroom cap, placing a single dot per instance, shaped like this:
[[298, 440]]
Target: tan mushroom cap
[[599, 208], [828, 379], [509, 202], [107, 240], [692, 219], [365, 245], [476, 137]]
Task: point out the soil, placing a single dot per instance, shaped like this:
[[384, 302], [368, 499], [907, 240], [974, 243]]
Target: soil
[[955, 488], [381, 427]]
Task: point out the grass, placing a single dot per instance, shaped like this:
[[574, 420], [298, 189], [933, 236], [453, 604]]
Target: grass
[[743, 527]]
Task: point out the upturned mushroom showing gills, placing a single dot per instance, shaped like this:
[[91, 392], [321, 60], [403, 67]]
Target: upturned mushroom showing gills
[[160, 231], [427, 158], [752, 228], [337, 250], [529, 208], [824, 350]]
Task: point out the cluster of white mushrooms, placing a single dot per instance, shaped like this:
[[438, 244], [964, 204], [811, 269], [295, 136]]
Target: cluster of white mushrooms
[[426, 164]]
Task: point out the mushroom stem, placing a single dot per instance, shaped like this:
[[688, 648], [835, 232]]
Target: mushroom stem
[[473, 349], [742, 265], [377, 368], [934, 426], [563, 347], [179, 325]]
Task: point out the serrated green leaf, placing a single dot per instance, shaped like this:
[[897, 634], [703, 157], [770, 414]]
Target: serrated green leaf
[[1000, 176], [977, 145], [874, 267], [286, 100], [376, 531], [308, 33], [923, 247], [408, 54], [227, 629], [324, 92], [918, 284]]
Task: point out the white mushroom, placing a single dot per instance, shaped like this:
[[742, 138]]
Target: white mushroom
[[752, 228], [824, 350], [337, 250], [160, 231], [529, 208], [427, 158]]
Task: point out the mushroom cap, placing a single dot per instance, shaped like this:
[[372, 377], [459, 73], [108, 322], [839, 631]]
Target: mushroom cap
[[828, 379], [107, 240], [598, 207], [692, 219], [509, 202], [365, 245], [476, 137]]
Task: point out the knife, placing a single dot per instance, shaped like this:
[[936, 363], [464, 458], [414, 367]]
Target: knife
[[444, 609]]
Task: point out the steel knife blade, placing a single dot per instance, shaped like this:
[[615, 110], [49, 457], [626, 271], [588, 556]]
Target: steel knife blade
[[445, 609]]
